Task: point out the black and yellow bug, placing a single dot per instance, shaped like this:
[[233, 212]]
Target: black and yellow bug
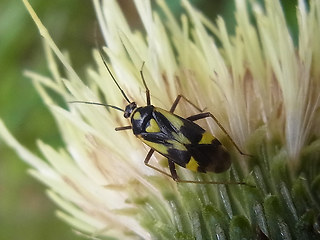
[[180, 140]]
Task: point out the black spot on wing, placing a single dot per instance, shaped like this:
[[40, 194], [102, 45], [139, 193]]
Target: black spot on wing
[[192, 131], [210, 157], [179, 157]]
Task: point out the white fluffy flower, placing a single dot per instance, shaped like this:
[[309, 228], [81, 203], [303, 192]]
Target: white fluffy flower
[[263, 89]]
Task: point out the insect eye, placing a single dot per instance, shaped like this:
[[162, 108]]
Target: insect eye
[[129, 109], [126, 114]]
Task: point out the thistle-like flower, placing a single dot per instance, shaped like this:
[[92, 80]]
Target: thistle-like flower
[[263, 89]]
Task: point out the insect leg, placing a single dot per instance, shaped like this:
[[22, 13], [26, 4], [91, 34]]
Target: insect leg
[[173, 171], [175, 103], [123, 128], [146, 162], [208, 114], [204, 115], [145, 85], [175, 176]]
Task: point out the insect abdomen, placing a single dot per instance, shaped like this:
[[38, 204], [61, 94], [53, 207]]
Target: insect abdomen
[[211, 157]]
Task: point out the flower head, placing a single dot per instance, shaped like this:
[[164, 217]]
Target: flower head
[[262, 88]]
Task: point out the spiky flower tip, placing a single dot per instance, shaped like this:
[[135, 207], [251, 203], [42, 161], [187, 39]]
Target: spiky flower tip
[[263, 89]]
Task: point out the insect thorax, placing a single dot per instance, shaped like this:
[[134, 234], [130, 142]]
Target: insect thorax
[[141, 118]]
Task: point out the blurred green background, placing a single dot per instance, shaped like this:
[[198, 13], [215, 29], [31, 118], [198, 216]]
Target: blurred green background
[[25, 211]]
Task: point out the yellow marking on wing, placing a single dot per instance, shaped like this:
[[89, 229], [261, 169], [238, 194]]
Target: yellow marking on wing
[[192, 165], [136, 116], [153, 126], [207, 138], [180, 138], [176, 145], [156, 146], [175, 121]]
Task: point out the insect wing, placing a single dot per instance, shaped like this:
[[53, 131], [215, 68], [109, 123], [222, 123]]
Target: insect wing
[[172, 136], [185, 143]]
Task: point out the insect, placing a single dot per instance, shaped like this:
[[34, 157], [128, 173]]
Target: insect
[[180, 140]]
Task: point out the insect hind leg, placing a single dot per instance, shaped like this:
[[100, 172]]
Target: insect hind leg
[[175, 177], [208, 114], [202, 115], [173, 173]]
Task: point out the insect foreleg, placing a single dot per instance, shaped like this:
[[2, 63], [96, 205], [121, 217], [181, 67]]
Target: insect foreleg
[[123, 128]]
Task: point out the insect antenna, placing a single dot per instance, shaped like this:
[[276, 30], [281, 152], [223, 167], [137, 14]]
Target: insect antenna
[[113, 78], [106, 65], [100, 104]]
